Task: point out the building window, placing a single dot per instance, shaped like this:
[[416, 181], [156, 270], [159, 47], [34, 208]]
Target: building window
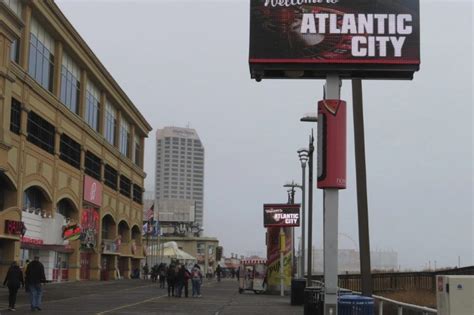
[[125, 186], [40, 132], [70, 151], [137, 194], [70, 84], [137, 151], [15, 118], [124, 137], [110, 123], [93, 165], [15, 51], [41, 62], [65, 208], [110, 177], [201, 248], [15, 5], [92, 106], [32, 199]]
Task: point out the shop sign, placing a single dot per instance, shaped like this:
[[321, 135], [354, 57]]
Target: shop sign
[[71, 232], [90, 227], [376, 39], [15, 227], [281, 215], [34, 241], [92, 191]]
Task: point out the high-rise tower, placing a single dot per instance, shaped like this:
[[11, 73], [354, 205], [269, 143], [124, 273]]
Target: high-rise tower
[[179, 177]]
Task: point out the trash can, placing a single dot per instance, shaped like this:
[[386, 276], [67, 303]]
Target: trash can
[[313, 301], [342, 292], [355, 305], [297, 291]]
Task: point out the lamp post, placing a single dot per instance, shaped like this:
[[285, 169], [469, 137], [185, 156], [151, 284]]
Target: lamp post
[[294, 185], [291, 200], [310, 207], [303, 155]]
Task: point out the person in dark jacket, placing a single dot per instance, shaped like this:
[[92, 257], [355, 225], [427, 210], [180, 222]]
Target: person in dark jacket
[[13, 279], [34, 277], [162, 273], [182, 280], [171, 278]]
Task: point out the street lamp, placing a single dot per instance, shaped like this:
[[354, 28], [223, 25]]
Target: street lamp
[[311, 117], [291, 200], [304, 156]]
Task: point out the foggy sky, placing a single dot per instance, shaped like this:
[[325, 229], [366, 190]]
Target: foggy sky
[[187, 62]]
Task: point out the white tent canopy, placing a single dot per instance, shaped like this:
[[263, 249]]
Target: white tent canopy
[[169, 251]]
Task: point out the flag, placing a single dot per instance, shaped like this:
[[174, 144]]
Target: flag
[[145, 228], [156, 229], [150, 213]]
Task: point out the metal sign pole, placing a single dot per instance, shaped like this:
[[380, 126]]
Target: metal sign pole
[[303, 234], [361, 178], [331, 208], [282, 248], [310, 210]]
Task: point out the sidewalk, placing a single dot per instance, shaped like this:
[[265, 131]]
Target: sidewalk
[[145, 297]]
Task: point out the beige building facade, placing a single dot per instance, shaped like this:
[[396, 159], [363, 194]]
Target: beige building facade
[[71, 151]]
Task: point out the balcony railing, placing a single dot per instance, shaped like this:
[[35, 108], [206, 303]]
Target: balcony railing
[[111, 247]]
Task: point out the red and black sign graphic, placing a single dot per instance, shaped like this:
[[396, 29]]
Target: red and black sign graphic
[[15, 227], [282, 215], [366, 38]]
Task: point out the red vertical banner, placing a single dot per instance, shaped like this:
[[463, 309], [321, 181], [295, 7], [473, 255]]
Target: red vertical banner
[[331, 150], [90, 227]]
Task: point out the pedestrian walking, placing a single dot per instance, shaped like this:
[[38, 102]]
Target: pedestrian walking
[[162, 272], [180, 280], [13, 280], [183, 279], [154, 273], [196, 279], [170, 279], [34, 277], [218, 272], [176, 280], [145, 271]]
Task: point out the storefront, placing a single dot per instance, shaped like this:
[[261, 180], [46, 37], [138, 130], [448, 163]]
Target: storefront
[[44, 237], [90, 227]]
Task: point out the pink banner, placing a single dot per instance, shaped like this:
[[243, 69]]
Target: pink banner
[[92, 191]]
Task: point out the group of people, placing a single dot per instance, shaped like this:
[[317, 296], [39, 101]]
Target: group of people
[[177, 277], [32, 282]]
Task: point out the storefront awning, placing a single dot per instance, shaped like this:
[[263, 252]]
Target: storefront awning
[[57, 248]]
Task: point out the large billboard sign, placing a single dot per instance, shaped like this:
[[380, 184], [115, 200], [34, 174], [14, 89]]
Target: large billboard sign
[[377, 39], [281, 215]]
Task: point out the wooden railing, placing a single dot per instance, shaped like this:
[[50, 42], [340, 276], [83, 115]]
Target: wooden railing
[[397, 281]]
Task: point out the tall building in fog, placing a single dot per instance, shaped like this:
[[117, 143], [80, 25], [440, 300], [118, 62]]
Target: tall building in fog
[[179, 177]]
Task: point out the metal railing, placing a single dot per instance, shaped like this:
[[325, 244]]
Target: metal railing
[[401, 306]]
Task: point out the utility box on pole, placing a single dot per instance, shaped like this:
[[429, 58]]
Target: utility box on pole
[[455, 295]]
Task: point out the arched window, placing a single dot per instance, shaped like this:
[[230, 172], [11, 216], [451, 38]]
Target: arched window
[[65, 208], [33, 198]]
